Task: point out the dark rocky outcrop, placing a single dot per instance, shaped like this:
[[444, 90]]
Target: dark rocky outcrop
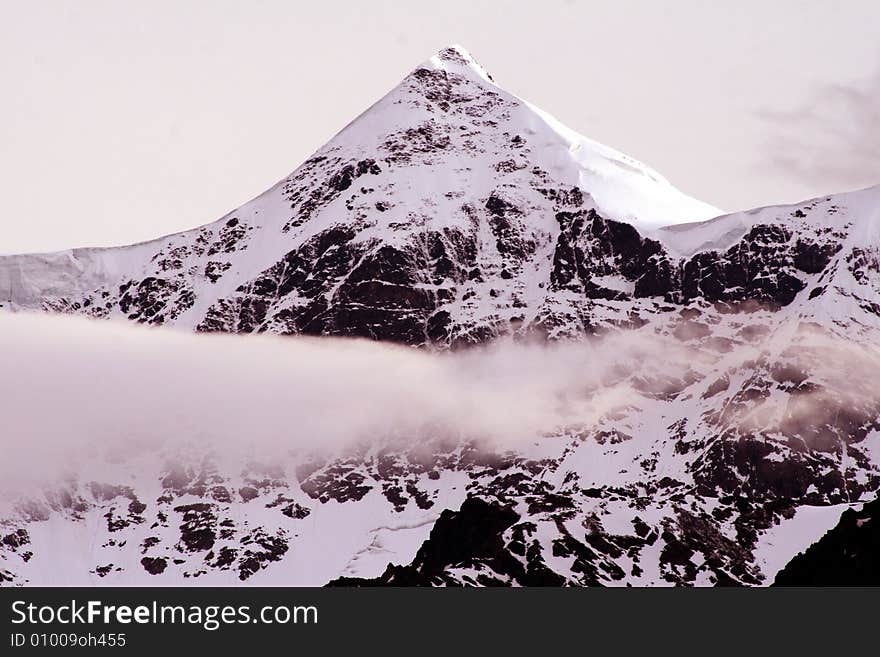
[[848, 555], [470, 540]]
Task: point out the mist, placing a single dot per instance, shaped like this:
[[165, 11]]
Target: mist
[[74, 388], [75, 391]]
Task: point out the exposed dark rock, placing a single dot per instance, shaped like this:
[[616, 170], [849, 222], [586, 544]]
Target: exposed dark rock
[[197, 533], [154, 565]]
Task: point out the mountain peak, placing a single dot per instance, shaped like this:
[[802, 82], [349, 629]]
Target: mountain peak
[[456, 58], [450, 115], [445, 154]]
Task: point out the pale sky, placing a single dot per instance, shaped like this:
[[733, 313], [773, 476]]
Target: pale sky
[[124, 121]]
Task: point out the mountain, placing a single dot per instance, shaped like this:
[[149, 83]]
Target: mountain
[[432, 218], [453, 214]]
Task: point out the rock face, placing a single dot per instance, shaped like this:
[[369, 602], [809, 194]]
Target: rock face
[[449, 214]]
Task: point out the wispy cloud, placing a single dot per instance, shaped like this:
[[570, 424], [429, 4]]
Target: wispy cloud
[[832, 139]]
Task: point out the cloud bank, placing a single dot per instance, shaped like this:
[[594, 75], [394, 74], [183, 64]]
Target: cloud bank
[[76, 392], [72, 388]]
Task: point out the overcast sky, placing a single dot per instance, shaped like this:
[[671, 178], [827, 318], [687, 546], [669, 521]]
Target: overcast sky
[[123, 121]]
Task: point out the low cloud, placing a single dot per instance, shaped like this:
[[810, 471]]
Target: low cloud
[[74, 390], [76, 394]]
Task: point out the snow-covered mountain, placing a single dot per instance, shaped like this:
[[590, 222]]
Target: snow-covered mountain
[[430, 218], [452, 213]]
